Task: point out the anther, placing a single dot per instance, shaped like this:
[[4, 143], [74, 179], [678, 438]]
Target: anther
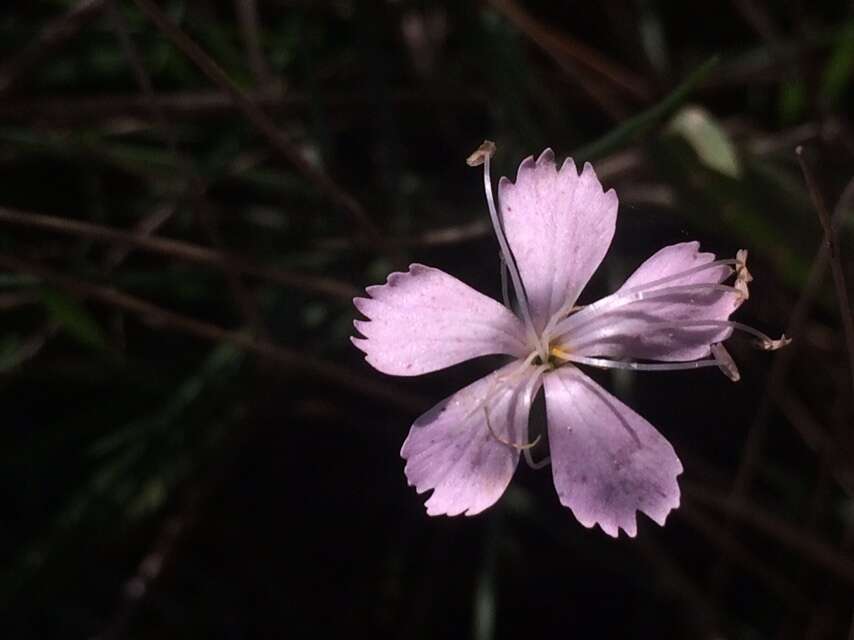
[[725, 362], [769, 344], [742, 275], [483, 153]]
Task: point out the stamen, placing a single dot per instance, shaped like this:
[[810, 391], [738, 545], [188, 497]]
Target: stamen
[[482, 156], [604, 363], [520, 447], [742, 275], [503, 382], [505, 294], [567, 308], [536, 466], [725, 362], [773, 345], [763, 341], [592, 312]]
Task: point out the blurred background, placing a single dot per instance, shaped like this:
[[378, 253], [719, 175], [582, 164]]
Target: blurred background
[[191, 193]]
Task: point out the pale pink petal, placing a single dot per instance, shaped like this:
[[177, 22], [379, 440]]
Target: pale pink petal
[[451, 450], [559, 225], [425, 320], [607, 461], [659, 328]]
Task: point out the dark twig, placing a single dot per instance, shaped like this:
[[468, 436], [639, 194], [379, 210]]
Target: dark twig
[[210, 103], [751, 451], [149, 571], [197, 187], [158, 317], [277, 139], [791, 536], [181, 250], [831, 240], [146, 227], [556, 49], [739, 552], [640, 123], [55, 33], [560, 47], [247, 18]]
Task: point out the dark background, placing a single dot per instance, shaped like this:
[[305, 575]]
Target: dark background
[[192, 448]]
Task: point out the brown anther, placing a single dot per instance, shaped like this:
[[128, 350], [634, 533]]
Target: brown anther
[[773, 345], [484, 151], [725, 362], [742, 275]]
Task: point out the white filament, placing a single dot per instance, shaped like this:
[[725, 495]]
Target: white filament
[[604, 363], [515, 278], [589, 314], [567, 308]]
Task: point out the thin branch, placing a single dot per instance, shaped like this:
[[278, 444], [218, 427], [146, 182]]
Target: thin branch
[[552, 46], [198, 187], [180, 250], [208, 103], [161, 318], [774, 581], [791, 536], [145, 227], [560, 46], [681, 584], [277, 139], [54, 34], [757, 432], [247, 18], [832, 243]]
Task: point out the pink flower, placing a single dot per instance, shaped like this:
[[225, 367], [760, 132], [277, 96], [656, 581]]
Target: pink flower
[[554, 230]]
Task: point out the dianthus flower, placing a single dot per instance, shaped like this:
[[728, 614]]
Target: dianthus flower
[[554, 230]]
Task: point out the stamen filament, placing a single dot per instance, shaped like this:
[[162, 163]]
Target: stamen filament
[[502, 382], [567, 308], [483, 155], [592, 312], [505, 293], [604, 363], [520, 447], [536, 466], [763, 341]]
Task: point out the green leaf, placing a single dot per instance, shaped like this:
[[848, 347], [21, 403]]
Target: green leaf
[[74, 318], [708, 139], [634, 127], [840, 68]]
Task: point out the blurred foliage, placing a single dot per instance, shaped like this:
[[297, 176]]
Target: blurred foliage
[[160, 482]]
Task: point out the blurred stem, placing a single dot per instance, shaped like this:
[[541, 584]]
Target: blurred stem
[[181, 250], [152, 315], [831, 241], [640, 123], [54, 34], [485, 600], [275, 136]]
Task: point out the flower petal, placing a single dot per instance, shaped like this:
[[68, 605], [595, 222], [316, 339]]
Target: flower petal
[[454, 451], [559, 225], [607, 461], [425, 320], [649, 328]]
